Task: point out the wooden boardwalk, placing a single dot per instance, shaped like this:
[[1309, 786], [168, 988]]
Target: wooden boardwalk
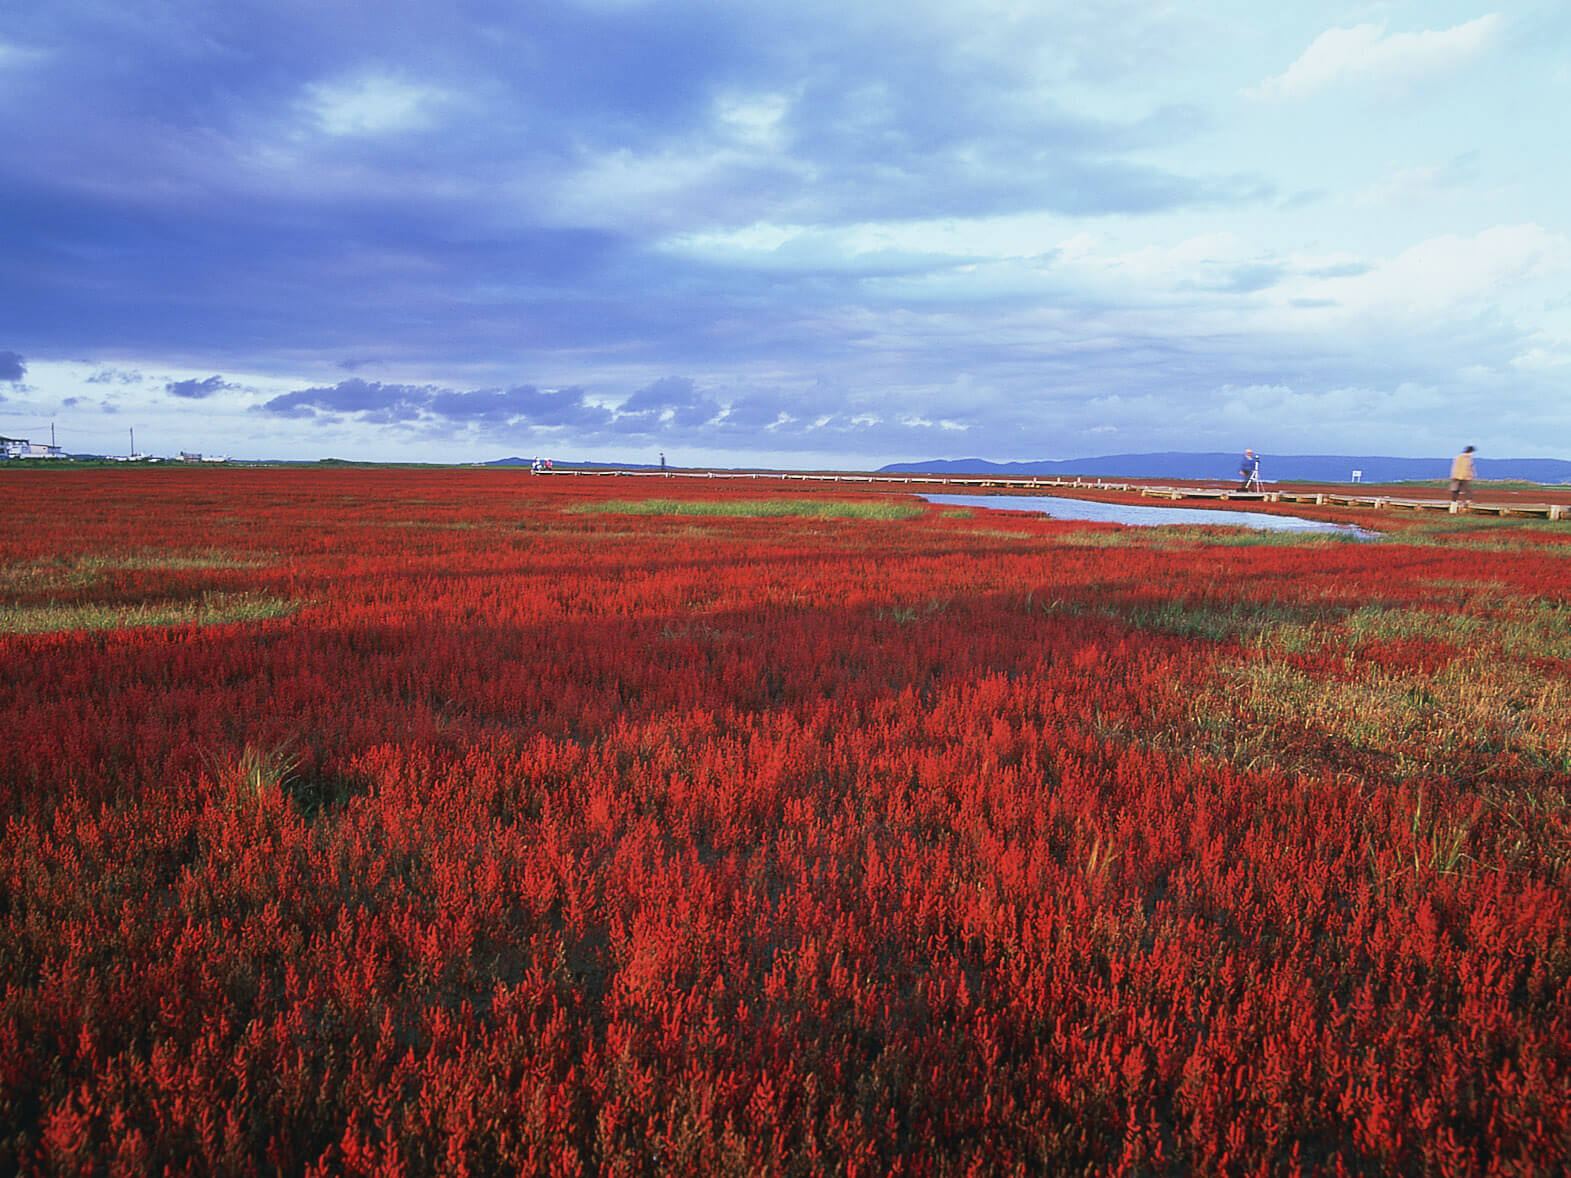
[[1395, 503], [1347, 499], [1554, 511]]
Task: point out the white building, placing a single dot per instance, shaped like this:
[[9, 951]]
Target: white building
[[22, 448]]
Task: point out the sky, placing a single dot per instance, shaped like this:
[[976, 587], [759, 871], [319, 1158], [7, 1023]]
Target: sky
[[805, 235]]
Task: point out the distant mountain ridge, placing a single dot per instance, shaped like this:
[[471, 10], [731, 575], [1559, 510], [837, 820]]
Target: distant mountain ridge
[[1223, 467]]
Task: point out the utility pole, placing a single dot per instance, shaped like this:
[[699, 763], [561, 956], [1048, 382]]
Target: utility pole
[[133, 441]]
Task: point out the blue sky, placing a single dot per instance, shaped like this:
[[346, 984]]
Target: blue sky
[[815, 234]]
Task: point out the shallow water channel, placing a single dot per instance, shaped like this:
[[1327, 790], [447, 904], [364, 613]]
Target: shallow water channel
[[1139, 514]]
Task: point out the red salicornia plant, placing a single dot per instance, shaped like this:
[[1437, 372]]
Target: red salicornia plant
[[390, 822]]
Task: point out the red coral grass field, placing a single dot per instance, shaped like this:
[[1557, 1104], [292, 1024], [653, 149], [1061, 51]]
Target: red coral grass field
[[379, 822]]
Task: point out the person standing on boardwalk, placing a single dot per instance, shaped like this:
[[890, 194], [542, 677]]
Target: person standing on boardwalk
[[1462, 476], [1249, 470]]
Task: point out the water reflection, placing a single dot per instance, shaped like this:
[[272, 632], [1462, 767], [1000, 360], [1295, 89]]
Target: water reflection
[[1139, 514]]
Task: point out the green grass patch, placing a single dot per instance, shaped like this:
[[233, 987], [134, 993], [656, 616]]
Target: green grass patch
[[1255, 623], [211, 609], [1001, 534], [1473, 708], [433, 525], [882, 509], [1480, 485], [1213, 622], [906, 614], [1488, 534], [1485, 617], [1483, 705], [1163, 536], [75, 572]]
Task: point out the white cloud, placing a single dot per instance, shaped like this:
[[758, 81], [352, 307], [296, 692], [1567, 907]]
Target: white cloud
[[15, 56], [1026, 237], [625, 187], [753, 120], [372, 105], [1364, 53], [1444, 272], [1543, 359], [1407, 186]]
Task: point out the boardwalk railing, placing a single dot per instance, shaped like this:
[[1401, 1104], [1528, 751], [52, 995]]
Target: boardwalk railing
[[1555, 511]]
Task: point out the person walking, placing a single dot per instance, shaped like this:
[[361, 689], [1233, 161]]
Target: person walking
[[1462, 476], [1249, 470]]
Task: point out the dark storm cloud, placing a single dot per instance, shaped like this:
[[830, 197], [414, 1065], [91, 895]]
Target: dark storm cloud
[[673, 409], [672, 401], [114, 376], [196, 390], [414, 188], [521, 404], [947, 141], [567, 190], [371, 401], [368, 400], [12, 367], [754, 412]]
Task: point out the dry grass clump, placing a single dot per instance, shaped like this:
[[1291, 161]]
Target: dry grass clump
[[211, 609]]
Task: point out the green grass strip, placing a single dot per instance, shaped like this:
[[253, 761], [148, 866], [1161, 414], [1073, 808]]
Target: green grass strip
[[759, 508], [87, 569], [214, 609], [1191, 536]]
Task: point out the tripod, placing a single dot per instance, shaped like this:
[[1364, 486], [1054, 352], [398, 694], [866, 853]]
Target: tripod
[[1252, 483]]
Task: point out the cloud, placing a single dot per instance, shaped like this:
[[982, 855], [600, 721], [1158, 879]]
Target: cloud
[[844, 228], [1244, 278], [673, 410], [1347, 269], [372, 105], [1442, 276], [560, 407], [1408, 186], [396, 404], [440, 194], [1364, 53], [114, 376], [843, 157], [196, 390], [370, 400], [519, 405], [670, 401], [12, 367], [1545, 359], [13, 56], [756, 412]]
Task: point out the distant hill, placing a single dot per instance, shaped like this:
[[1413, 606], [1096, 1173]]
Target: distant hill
[[1306, 468]]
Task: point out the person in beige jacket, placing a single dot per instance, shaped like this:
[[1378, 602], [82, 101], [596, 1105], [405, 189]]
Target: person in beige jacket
[[1462, 476]]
